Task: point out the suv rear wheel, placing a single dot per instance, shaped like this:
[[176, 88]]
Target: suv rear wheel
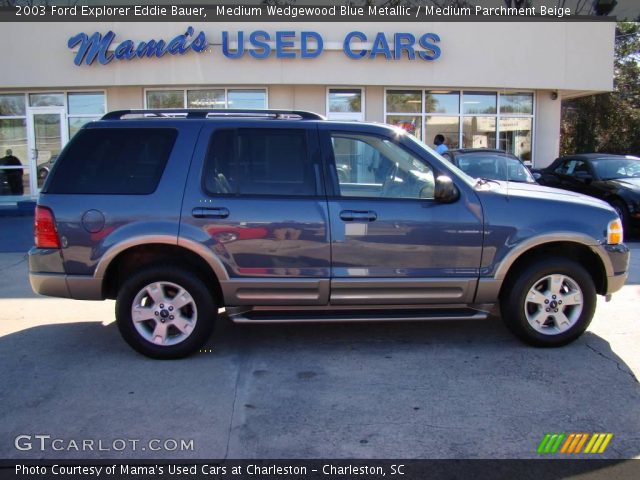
[[165, 312], [551, 303]]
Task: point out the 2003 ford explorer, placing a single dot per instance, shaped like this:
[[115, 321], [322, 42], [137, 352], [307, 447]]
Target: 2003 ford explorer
[[180, 214]]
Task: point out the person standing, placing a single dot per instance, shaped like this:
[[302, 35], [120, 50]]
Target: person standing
[[14, 175], [438, 141]]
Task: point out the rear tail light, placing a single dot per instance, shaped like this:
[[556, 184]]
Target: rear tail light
[[45, 233]]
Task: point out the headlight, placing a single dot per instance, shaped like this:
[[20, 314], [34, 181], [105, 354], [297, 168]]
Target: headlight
[[614, 232]]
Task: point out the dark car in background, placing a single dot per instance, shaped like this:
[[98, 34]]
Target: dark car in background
[[45, 168], [490, 164], [612, 178]]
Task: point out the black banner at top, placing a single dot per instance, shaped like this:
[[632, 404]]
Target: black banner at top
[[320, 11]]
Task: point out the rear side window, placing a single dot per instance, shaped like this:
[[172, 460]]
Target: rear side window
[[126, 161], [259, 161]]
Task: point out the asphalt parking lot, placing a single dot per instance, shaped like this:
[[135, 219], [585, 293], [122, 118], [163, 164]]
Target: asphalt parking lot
[[430, 390]]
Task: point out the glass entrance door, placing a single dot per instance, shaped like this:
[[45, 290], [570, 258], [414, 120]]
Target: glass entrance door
[[48, 136]]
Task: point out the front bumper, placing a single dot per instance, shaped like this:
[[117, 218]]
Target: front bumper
[[619, 257]]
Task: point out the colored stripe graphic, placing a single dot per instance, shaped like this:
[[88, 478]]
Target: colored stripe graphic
[[557, 443], [550, 443], [543, 443], [605, 444], [581, 443], [565, 447], [598, 443], [573, 443]]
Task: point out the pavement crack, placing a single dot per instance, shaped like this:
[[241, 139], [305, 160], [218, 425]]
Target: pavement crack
[[620, 367], [377, 424], [233, 412], [22, 260]]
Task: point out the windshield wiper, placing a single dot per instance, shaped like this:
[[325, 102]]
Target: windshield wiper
[[484, 181]]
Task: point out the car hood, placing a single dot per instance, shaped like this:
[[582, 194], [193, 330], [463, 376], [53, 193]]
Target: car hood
[[532, 190], [630, 183]]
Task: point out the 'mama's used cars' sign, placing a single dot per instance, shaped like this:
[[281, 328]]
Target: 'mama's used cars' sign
[[258, 44]]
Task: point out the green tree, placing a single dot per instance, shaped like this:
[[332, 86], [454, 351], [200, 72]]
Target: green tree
[[608, 122]]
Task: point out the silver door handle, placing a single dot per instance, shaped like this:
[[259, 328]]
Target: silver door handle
[[358, 215], [204, 212]]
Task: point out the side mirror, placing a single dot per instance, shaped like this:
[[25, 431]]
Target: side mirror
[[537, 175], [445, 190]]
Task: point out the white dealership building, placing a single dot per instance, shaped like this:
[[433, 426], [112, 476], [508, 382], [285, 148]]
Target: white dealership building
[[480, 84]]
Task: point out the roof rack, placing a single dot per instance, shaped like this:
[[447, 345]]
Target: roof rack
[[217, 112]]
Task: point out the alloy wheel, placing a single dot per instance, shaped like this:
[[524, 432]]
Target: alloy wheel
[[164, 313], [553, 304]]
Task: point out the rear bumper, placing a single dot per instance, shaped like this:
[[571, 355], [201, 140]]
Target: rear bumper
[[47, 277], [50, 284], [66, 286]]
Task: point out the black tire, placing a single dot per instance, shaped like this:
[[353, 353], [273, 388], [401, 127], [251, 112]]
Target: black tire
[[623, 212], [514, 300], [198, 315]]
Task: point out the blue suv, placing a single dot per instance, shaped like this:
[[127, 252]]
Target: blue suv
[[282, 216]]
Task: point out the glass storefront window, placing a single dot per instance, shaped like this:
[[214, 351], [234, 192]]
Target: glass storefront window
[[449, 127], [205, 98], [86, 103], [83, 107], [12, 105], [165, 99], [404, 101], [48, 141], [517, 103], [515, 136], [342, 100], [246, 99], [75, 124], [13, 136], [442, 102], [467, 119], [409, 123], [208, 98], [13, 181], [14, 174], [46, 99], [34, 150], [479, 132], [479, 102]]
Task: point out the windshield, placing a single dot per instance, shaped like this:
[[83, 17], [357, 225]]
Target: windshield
[[494, 167], [610, 168]]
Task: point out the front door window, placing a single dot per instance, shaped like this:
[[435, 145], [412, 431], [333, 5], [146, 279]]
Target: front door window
[[371, 166]]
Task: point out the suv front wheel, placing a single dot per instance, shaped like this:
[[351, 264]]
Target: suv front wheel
[[551, 303], [165, 312]]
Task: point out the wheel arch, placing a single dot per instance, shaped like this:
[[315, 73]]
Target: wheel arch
[[587, 256], [127, 259]]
